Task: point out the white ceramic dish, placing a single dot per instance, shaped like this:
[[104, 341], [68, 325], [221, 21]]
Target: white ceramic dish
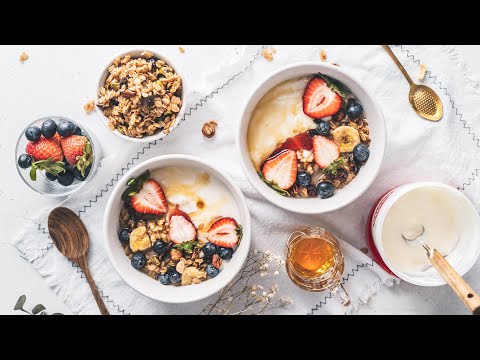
[[368, 172], [467, 250], [136, 54], [149, 286]]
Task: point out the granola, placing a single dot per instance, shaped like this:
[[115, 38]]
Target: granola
[[23, 57], [141, 96]]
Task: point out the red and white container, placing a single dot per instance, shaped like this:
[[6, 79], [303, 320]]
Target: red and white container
[[462, 257]]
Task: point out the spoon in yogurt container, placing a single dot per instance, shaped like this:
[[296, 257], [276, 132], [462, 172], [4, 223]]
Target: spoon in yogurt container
[[415, 235]]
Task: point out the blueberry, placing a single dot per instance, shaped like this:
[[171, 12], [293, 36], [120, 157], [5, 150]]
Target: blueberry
[[24, 161], [33, 133], [361, 153], [225, 253], [325, 190], [164, 279], [66, 178], [65, 128], [209, 249], [139, 260], [323, 128], [174, 276], [160, 247], [49, 127], [50, 177], [354, 110], [78, 130], [78, 175], [212, 271], [207, 259], [303, 178], [124, 236]]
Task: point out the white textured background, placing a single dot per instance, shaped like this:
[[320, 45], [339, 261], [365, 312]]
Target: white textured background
[[28, 93]]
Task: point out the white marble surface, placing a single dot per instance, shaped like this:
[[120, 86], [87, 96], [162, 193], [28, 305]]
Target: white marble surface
[[18, 203]]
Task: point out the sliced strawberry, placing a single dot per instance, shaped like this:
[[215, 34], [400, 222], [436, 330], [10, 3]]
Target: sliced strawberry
[[281, 169], [225, 232], [150, 199], [181, 227], [319, 100], [325, 151]]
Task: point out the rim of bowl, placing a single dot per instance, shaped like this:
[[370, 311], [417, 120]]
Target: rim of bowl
[[242, 208], [96, 159], [179, 117], [411, 277], [246, 161]]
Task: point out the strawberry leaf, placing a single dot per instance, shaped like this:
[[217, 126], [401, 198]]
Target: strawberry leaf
[[274, 186], [49, 166], [336, 86], [134, 185], [334, 166], [86, 159], [239, 231], [187, 246]]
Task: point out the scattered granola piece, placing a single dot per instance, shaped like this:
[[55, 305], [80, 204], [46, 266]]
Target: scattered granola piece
[[208, 129], [147, 54], [422, 71], [89, 106], [268, 54], [23, 56], [323, 55], [182, 50]]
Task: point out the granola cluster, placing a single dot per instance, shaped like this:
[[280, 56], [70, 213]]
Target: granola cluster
[[141, 96]]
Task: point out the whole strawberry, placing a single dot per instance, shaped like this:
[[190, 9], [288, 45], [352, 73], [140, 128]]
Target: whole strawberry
[[77, 151], [47, 155]]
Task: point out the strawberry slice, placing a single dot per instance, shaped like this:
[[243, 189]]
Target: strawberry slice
[[181, 227], [325, 151], [150, 199], [44, 149], [225, 232], [319, 100], [281, 169]]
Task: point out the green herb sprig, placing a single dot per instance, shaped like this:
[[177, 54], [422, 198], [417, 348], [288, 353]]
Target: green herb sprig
[[336, 86], [333, 168], [274, 185]]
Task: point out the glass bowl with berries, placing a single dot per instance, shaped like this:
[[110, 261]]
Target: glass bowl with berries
[[177, 229], [56, 156], [312, 138]]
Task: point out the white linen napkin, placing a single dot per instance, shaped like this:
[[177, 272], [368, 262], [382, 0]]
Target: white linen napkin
[[416, 150]]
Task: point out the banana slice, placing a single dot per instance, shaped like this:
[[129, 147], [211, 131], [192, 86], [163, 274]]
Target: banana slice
[[139, 239], [346, 137]]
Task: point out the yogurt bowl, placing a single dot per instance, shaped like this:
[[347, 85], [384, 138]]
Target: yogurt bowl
[[274, 122], [198, 196], [451, 222]]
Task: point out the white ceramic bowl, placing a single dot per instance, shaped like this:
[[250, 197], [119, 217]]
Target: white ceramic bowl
[[136, 54], [465, 254], [143, 283], [368, 173]]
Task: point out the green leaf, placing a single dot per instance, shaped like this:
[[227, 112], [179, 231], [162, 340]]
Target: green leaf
[[48, 165], [142, 179], [134, 185], [84, 161], [273, 185], [20, 302], [33, 173], [239, 231], [38, 308], [336, 86], [334, 166], [131, 182], [187, 246]]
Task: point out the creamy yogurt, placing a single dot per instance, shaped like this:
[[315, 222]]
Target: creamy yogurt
[[277, 117], [203, 197], [433, 208]]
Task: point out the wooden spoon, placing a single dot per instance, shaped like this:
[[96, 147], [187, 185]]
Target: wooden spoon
[[70, 236]]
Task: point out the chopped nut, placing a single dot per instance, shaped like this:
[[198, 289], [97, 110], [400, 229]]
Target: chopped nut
[[181, 266], [89, 106], [175, 254], [422, 71], [147, 54], [129, 93], [23, 56], [182, 50], [216, 261], [191, 273], [323, 55], [128, 251], [208, 129], [268, 54]]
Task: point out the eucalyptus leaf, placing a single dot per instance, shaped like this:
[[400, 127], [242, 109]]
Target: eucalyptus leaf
[[20, 302], [38, 308]]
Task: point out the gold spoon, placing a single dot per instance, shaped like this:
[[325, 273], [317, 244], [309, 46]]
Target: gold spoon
[[71, 238], [423, 99], [471, 300]]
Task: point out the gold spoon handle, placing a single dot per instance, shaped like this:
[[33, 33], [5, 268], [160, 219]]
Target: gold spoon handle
[[82, 262], [468, 296], [400, 66]]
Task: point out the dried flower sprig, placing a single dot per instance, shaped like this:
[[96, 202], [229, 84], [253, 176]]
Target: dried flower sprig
[[245, 295]]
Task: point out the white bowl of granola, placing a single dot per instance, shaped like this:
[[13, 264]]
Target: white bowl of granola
[[141, 96], [314, 134], [176, 229]]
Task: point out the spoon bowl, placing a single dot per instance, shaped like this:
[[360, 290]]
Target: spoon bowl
[[426, 102]]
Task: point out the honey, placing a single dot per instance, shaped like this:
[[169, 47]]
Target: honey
[[312, 257]]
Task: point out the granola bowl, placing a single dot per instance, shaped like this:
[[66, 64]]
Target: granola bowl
[[176, 229], [141, 96], [311, 138]]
